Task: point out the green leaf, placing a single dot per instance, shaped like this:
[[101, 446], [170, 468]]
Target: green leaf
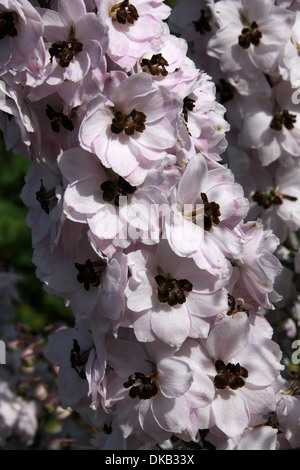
[[171, 3]]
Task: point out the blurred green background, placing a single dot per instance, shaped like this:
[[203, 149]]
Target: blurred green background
[[171, 3], [36, 308]]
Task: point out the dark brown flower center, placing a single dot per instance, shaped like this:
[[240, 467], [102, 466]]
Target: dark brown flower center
[[78, 359], [188, 105], [272, 198], [124, 12], [58, 119], [250, 35], [129, 123], [172, 291], [146, 387], [64, 51], [294, 385], [211, 213], [155, 66], [202, 25], [225, 91], [112, 190], [229, 375], [235, 306], [46, 197], [283, 118], [45, 3], [89, 273], [107, 428], [7, 24]]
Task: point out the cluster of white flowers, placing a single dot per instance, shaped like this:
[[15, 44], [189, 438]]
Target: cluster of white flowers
[[251, 50], [161, 191]]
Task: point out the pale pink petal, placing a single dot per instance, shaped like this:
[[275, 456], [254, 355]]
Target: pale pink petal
[[126, 357], [262, 361], [105, 223], [142, 326], [235, 329], [84, 196], [194, 177], [207, 305], [261, 438], [158, 135], [149, 424], [202, 391], [140, 295], [119, 155], [78, 67], [170, 324], [261, 401], [71, 387], [174, 376], [72, 12], [230, 413], [172, 414], [77, 164], [132, 87], [128, 417], [199, 327]]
